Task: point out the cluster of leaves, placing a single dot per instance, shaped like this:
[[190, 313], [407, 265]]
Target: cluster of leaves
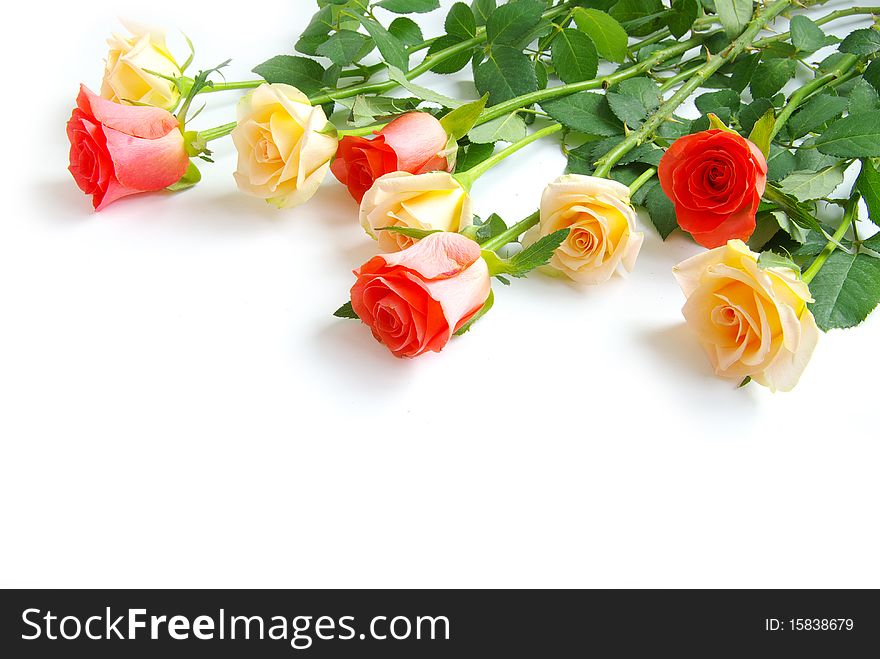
[[620, 53]]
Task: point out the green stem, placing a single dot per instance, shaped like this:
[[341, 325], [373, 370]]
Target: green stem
[[604, 82], [468, 177], [227, 86], [646, 176], [761, 18], [845, 68], [219, 131], [427, 64], [833, 16], [512, 233], [672, 81], [849, 216], [359, 132]]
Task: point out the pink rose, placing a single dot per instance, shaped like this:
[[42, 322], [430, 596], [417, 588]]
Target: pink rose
[[118, 150], [414, 142], [416, 299]]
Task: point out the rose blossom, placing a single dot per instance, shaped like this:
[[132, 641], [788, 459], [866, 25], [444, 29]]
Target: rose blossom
[[282, 154], [752, 321], [416, 299], [118, 150], [129, 74], [715, 179], [413, 142], [421, 201], [602, 226]]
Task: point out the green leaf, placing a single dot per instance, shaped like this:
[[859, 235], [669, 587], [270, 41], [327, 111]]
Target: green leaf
[[681, 17], [781, 163], [715, 101], [316, 31], [459, 122], [633, 100], [761, 131], [301, 72], [422, 92], [808, 157], [863, 97], [409, 6], [872, 74], [391, 48], [661, 211], [345, 47], [854, 136], [482, 10], [509, 128], [511, 23], [638, 17], [406, 30], [750, 113], [346, 311], [846, 290], [189, 178], [451, 64], [585, 112], [806, 186], [868, 184], [861, 42], [806, 36], [410, 232], [580, 159], [771, 76], [773, 260], [607, 34], [536, 254], [490, 301], [366, 110], [460, 22], [506, 73], [734, 15], [815, 113], [473, 154], [493, 226], [574, 56]]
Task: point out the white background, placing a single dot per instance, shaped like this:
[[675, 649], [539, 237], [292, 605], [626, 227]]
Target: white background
[[179, 408]]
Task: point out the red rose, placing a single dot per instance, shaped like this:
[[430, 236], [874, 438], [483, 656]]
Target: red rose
[[413, 142], [416, 299], [118, 150], [715, 179]]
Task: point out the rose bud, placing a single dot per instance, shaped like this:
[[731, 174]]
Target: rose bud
[[118, 150], [752, 321], [414, 142], [283, 155], [132, 65], [715, 179], [602, 224], [416, 299], [417, 201]]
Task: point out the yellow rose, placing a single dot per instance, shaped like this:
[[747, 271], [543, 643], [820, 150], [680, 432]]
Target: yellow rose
[[131, 63], [752, 321], [282, 155], [418, 201], [602, 227]]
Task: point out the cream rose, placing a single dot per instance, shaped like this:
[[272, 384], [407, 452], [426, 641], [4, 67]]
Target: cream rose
[[418, 201], [752, 321], [282, 154], [602, 227], [131, 65]]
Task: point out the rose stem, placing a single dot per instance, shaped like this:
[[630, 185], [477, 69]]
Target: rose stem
[[511, 233], [844, 70], [849, 216], [761, 18], [645, 176], [468, 177]]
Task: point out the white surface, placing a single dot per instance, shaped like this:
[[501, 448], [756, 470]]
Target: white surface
[[178, 407]]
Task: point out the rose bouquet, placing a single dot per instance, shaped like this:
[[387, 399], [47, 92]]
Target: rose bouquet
[[756, 178]]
